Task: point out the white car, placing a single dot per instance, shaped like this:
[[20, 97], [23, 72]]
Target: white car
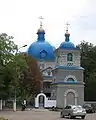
[[73, 111]]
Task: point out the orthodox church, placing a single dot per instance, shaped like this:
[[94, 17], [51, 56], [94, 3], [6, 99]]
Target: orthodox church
[[61, 70]]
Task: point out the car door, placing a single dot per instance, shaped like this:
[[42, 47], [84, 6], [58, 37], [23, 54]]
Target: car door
[[65, 111], [68, 111]]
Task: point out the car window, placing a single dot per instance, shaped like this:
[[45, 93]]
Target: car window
[[66, 107], [87, 105], [69, 107]]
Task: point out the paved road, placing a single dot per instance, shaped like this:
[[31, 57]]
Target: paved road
[[38, 115]]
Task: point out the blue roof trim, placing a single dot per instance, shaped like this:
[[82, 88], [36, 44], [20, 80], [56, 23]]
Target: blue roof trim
[[48, 76], [69, 68], [69, 82], [70, 48], [67, 49]]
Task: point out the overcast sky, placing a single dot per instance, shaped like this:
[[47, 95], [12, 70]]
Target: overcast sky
[[19, 18]]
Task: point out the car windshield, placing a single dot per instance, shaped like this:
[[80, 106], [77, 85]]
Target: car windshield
[[77, 107], [87, 105]]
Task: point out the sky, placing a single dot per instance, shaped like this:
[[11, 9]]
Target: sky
[[20, 19]]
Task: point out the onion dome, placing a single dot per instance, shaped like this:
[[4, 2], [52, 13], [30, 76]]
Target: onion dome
[[67, 44], [41, 49]]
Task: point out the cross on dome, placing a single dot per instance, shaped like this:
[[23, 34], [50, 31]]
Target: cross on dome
[[41, 30], [41, 18], [67, 24], [67, 34]]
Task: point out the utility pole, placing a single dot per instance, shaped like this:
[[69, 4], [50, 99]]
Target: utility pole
[[14, 102]]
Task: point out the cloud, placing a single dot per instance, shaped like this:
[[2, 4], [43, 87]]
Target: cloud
[[19, 18]]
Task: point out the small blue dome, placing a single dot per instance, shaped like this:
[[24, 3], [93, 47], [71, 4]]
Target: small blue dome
[[67, 44], [41, 49]]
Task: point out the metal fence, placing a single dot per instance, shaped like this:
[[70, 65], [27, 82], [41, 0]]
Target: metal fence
[[7, 104]]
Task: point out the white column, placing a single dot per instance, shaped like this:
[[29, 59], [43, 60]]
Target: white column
[[65, 102], [45, 102], [14, 105], [0, 104], [75, 100], [3, 102], [36, 102]]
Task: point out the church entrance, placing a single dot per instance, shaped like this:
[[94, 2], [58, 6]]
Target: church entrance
[[41, 101], [70, 97]]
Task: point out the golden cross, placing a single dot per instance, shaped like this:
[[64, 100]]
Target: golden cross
[[67, 25], [41, 18]]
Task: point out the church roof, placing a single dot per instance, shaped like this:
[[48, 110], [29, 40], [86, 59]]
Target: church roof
[[41, 49], [67, 44], [69, 82], [69, 67]]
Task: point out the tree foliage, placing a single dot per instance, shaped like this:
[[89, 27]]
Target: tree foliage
[[7, 50], [19, 73], [31, 78], [88, 62]]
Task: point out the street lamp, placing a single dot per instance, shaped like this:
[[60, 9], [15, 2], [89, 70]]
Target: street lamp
[[24, 45], [20, 48], [14, 105]]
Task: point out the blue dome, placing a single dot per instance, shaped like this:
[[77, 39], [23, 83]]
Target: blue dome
[[67, 44], [41, 50]]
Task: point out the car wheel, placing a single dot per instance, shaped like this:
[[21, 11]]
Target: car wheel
[[61, 115], [73, 117], [69, 116], [82, 117], [93, 111]]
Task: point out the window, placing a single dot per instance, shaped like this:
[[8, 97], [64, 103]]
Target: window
[[70, 79], [43, 54], [69, 57], [49, 72], [47, 85], [69, 64], [68, 107], [42, 66]]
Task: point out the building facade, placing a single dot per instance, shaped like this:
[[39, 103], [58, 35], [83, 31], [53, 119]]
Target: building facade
[[61, 70]]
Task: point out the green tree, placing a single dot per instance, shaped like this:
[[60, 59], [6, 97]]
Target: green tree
[[11, 65], [88, 62]]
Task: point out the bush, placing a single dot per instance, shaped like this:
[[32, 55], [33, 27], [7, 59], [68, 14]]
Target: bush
[[2, 118]]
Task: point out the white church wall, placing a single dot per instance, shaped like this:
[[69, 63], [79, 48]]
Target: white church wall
[[44, 65], [62, 58], [50, 64], [77, 58]]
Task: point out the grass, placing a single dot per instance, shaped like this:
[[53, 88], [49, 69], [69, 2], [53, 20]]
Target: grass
[[2, 118]]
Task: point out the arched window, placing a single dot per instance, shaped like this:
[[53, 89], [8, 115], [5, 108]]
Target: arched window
[[70, 80], [49, 72], [43, 54], [69, 57]]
